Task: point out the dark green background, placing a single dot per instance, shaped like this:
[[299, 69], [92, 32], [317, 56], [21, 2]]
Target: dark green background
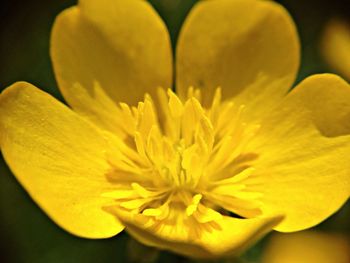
[[26, 234]]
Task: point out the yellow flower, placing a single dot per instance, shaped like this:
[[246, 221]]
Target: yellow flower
[[335, 46], [203, 173], [307, 247]]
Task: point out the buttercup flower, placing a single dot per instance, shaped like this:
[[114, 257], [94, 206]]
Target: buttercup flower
[[307, 247], [335, 46], [203, 172]]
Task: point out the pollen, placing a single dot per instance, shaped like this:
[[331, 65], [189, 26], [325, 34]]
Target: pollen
[[179, 160]]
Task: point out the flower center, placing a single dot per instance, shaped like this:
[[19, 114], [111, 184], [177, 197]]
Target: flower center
[[185, 158]]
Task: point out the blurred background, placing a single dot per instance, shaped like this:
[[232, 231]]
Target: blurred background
[[26, 233]]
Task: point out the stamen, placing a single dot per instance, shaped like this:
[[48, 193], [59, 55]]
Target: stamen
[[175, 105], [187, 160], [206, 214], [194, 205], [140, 190]]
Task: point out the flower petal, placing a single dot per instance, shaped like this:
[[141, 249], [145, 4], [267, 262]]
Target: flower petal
[[247, 47], [109, 51], [304, 154], [59, 158], [226, 236], [237, 235], [336, 46]]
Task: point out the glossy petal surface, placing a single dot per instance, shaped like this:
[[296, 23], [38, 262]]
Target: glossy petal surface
[[105, 52], [224, 237], [304, 153], [59, 158], [247, 47]]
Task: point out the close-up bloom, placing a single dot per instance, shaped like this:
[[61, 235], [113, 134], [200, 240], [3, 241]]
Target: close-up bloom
[[203, 162]]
